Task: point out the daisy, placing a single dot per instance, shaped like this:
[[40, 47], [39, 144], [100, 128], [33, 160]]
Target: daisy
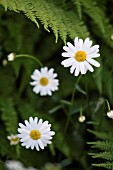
[[14, 165], [44, 81], [80, 56], [14, 139], [35, 133], [11, 57]]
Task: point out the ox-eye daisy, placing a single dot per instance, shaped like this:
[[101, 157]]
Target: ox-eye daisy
[[35, 133], [14, 139], [44, 81], [80, 56]]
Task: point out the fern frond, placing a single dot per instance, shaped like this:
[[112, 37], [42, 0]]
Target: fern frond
[[95, 13], [101, 135], [99, 18], [107, 165], [102, 145], [9, 115], [106, 145], [4, 3], [78, 5], [104, 155], [62, 22]]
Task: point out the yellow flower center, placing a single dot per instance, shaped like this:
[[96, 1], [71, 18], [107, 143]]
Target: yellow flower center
[[15, 139], [44, 81], [35, 134], [80, 56]]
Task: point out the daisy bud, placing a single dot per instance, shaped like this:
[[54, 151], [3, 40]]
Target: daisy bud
[[11, 57], [82, 118], [110, 114]]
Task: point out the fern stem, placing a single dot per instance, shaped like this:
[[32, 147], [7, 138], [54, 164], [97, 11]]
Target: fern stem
[[29, 56]]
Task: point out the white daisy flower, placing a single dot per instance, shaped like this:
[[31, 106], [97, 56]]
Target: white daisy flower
[[35, 133], [11, 57], [110, 114], [80, 56], [14, 165], [44, 81], [14, 139]]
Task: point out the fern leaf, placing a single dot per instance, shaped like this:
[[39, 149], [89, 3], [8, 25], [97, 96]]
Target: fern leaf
[[95, 13], [62, 22], [9, 115], [104, 155], [107, 165], [102, 145], [101, 135], [78, 4], [4, 3]]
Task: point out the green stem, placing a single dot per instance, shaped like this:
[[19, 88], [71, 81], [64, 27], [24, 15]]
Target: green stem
[[71, 106], [108, 105], [29, 56]]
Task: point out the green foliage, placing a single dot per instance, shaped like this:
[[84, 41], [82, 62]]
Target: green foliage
[[106, 145], [9, 115], [51, 15]]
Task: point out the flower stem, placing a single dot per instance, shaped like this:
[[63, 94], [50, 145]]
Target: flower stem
[[108, 105], [71, 106], [29, 56]]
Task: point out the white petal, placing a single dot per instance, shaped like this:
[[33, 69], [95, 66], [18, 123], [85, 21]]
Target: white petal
[[37, 89], [93, 55], [52, 133], [80, 44], [22, 135], [88, 66], [67, 49], [93, 62], [44, 136], [35, 77], [24, 131], [34, 83], [37, 147], [87, 44], [69, 54], [77, 70], [39, 124], [36, 120], [28, 125], [93, 49], [72, 48], [82, 69], [76, 41], [40, 144], [31, 122], [25, 139], [68, 62], [46, 141], [28, 143], [72, 68], [33, 145], [22, 126]]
